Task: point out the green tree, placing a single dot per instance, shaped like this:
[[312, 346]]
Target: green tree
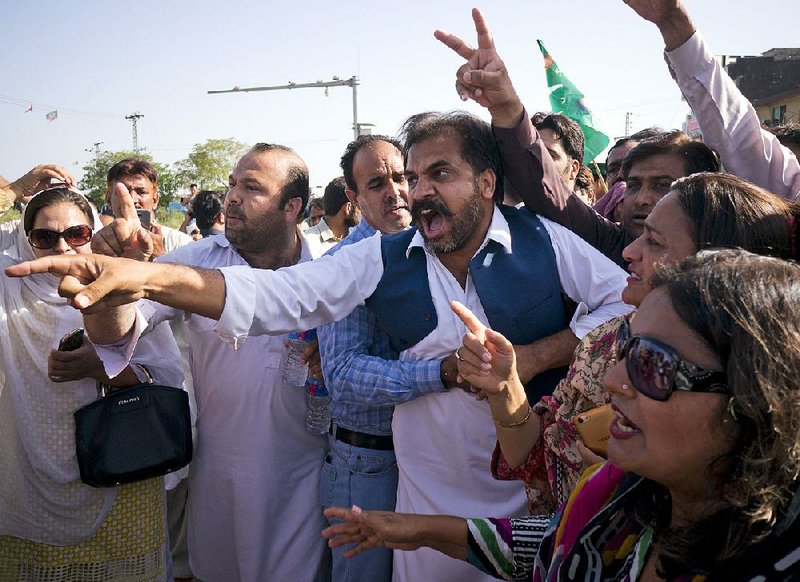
[[93, 182], [210, 163]]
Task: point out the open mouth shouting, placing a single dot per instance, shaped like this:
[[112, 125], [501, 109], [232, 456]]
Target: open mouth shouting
[[429, 216]]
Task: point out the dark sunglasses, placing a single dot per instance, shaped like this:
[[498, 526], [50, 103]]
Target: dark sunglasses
[[656, 370], [75, 236]]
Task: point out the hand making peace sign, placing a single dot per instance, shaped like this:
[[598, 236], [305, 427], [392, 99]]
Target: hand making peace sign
[[484, 77]]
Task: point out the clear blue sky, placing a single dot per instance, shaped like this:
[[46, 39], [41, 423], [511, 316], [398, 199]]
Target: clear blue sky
[[96, 62]]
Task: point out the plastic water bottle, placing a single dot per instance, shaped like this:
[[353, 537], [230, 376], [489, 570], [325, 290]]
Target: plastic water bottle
[[293, 370], [318, 412]]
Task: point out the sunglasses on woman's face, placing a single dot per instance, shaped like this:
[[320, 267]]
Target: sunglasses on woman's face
[[656, 370], [75, 236]]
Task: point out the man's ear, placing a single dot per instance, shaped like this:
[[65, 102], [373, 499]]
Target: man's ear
[[574, 168], [486, 184], [352, 197], [293, 208]]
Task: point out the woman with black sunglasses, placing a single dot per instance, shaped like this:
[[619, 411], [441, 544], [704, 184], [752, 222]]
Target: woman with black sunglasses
[[702, 482], [700, 212], [52, 526]]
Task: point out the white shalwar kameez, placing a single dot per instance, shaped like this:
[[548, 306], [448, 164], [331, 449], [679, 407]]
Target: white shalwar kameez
[[253, 509], [443, 441]]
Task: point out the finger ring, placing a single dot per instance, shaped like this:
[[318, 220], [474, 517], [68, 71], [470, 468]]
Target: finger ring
[[457, 355]]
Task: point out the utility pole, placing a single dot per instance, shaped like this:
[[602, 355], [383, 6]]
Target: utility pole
[[134, 118], [335, 82], [628, 116]]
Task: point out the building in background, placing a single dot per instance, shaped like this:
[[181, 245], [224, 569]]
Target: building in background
[[770, 81]]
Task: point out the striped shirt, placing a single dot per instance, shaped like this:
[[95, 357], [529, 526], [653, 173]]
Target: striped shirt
[[362, 371]]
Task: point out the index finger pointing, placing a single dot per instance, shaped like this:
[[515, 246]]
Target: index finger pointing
[[485, 40], [122, 202], [43, 265], [469, 319]]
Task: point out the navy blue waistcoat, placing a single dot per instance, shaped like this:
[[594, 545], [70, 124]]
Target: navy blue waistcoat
[[520, 291]]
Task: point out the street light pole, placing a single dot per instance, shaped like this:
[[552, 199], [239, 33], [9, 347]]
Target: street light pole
[[335, 82], [355, 108]]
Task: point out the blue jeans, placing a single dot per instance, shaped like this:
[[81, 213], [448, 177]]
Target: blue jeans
[[367, 478]]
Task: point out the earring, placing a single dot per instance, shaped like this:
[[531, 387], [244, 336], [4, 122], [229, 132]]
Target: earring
[[625, 387]]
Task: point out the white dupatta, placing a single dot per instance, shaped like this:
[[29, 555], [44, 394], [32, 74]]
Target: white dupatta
[[41, 496]]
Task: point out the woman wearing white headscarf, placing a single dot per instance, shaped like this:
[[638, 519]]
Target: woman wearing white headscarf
[[20, 191], [52, 526]]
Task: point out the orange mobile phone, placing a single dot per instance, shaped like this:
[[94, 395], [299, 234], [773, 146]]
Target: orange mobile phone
[[593, 428]]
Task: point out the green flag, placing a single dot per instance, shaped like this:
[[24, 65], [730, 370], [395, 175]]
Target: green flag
[[568, 101]]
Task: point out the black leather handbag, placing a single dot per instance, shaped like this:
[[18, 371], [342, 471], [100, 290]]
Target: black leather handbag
[[133, 434]]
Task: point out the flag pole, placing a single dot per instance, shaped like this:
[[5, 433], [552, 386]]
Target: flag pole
[[600, 175]]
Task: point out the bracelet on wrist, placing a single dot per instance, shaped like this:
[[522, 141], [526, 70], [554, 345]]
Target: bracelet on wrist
[[516, 424]]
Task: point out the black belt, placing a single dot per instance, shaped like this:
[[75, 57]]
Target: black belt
[[363, 440]]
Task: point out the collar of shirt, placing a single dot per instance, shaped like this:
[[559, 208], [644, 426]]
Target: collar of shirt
[[305, 249], [363, 229], [322, 230], [498, 232]]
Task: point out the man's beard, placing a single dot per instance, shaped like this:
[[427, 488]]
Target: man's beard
[[350, 220], [255, 234], [463, 226]]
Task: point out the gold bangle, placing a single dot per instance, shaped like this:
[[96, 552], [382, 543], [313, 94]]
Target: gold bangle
[[517, 424]]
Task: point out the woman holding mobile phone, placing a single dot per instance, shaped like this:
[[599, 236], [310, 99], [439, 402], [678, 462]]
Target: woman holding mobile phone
[[701, 211], [704, 453], [50, 522]]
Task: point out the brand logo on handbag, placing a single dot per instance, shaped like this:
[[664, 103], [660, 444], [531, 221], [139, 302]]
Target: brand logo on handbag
[[128, 401]]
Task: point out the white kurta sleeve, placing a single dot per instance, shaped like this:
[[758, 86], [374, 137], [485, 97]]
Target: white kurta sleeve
[[115, 357], [729, 122], [589, 278], [304, 296]]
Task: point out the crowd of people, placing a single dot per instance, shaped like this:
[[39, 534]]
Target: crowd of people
[[476, 294]]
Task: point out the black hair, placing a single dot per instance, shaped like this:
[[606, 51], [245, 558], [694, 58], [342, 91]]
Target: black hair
[[478, 146], [355, 146]]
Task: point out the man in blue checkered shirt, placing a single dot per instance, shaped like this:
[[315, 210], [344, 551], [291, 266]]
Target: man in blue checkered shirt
[[362, 370]]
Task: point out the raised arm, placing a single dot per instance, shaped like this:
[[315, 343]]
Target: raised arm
[[124, 236], [488, 362], [527, 163], [246, 301], [94, 283], [36, 179], [729, 122]]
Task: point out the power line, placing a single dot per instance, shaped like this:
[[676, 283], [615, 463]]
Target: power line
[[25, 103]]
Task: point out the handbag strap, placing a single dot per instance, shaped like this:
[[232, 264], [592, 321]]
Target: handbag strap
[[104, 389]]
